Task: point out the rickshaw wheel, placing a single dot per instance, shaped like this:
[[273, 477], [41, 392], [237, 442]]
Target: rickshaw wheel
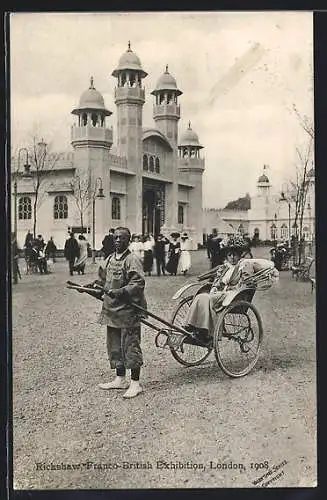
[[237, 338], [192, 355]]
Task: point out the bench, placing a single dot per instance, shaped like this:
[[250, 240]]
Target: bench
[[301, 272]]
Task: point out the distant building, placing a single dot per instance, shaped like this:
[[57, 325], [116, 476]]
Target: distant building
[[271, 216], [151, 183]]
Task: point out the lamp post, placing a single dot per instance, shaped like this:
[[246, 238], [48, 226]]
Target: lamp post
[[283, 198], [99, 194], [15, 186]]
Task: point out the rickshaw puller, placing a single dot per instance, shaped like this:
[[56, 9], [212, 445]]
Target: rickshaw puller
[[123, 281]]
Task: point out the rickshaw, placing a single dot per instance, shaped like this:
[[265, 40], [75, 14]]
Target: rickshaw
[[237, 336]]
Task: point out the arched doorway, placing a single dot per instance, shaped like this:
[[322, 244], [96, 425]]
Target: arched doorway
[[153, 208]]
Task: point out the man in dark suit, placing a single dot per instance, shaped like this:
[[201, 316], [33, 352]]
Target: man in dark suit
[[159, 253], [108, 244], [71, 252]]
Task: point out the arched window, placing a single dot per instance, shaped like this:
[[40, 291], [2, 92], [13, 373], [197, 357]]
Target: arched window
[[151, 164], [60, 207], [145, 162], [256, 232], [94, 119], [24, 208], [115, 208], [273, 232], [284, 232], [180, 217], [84, 119], [157, 165]]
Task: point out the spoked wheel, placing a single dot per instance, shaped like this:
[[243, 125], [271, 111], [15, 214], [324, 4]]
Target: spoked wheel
[[237, 338], [188, 354]]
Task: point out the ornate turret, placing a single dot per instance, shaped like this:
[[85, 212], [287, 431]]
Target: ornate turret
[[166, 110], [189, 146], [263, 183], [129, 99], [91, 112], [129, 74]]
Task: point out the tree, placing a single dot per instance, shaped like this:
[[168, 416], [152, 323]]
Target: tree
[[242, 203], [82, 194], [300, 186], [42, 163]]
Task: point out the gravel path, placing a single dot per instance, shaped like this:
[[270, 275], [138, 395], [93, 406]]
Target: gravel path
[[69, 434]]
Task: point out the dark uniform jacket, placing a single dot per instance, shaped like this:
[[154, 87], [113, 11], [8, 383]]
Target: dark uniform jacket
[[124, 275]]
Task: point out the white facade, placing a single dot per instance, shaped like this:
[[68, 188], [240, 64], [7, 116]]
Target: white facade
[[271, 216], [152, 184]]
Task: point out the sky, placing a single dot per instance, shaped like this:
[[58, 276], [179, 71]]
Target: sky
[[240, 74]]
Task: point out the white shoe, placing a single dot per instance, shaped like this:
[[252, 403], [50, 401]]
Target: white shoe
[[118, 383], [134, 389]]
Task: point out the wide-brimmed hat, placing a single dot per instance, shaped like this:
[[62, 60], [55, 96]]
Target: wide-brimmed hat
[[235, 244], [184, 235], [175, 235]]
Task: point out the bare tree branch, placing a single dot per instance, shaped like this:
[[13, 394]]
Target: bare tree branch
[[83, 195], [42, 163]]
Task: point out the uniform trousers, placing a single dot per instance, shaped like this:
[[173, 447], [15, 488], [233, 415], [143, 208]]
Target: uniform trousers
[[124, 347]]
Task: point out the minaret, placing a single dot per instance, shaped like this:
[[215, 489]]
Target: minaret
[[92, 140], [191, 163], [166, 110], [263, 184], [90, 130], [129, 99], [262, 203]]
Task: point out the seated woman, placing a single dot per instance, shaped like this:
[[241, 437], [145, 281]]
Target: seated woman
[[202, 315]]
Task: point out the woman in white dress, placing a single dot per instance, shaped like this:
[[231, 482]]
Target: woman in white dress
[[185, 256], [136, 247], [81, 261]]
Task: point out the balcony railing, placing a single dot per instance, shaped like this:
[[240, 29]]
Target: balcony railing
[[191, 162], [126, 92], [166, 109], [92, 133]]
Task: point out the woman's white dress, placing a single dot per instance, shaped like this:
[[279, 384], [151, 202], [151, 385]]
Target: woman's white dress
[[137, 248], [185, 256]]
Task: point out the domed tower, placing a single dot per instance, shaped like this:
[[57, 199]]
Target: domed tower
[[90, 129], [191, 165], [263, 184], [92, 140], [129, 99], [166, 110], [189, 146]]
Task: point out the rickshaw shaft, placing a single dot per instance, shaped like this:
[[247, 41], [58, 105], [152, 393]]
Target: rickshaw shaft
[[147, 323], [154, 316]]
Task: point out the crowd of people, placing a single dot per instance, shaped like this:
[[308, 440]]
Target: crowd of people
[[38, 254], [158, 255]]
